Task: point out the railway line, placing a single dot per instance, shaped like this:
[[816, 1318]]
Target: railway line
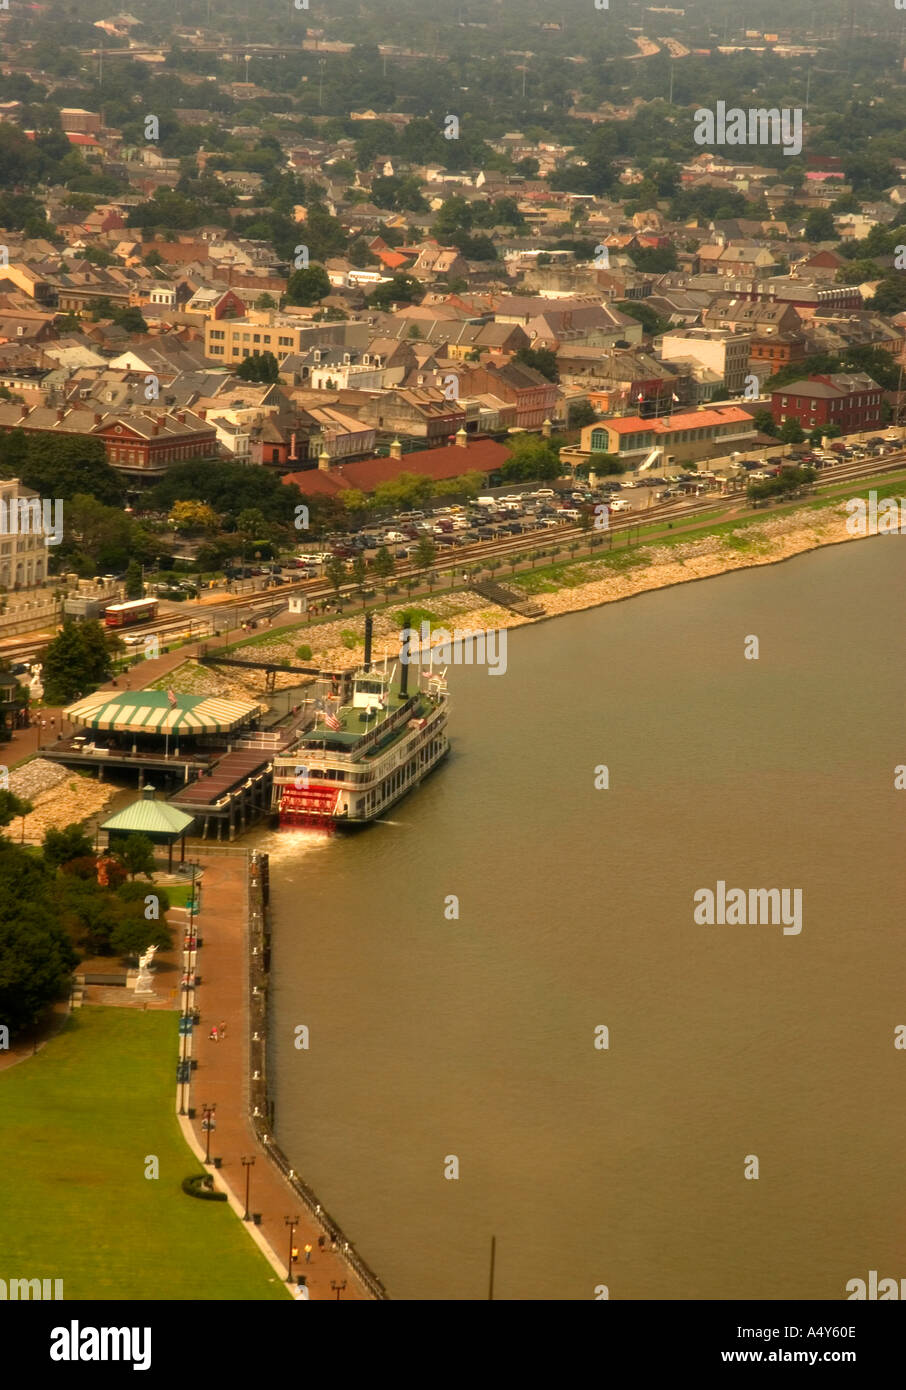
[[241, 607]]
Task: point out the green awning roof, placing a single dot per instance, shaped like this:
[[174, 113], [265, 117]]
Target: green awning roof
[[149, 818], [153, 712]]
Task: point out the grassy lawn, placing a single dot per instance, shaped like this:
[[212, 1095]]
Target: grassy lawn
[[178, 893], [78, 1122]]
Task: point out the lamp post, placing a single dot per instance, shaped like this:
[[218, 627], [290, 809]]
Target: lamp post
[[207, 1125], [248, 1164], [292, 1222], [339, 1287]]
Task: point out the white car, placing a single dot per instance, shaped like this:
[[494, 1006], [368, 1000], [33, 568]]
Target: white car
[[393, 537], [630, 484], [619, 505]]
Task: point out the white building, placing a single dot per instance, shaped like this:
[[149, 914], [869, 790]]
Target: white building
[[23, 552]]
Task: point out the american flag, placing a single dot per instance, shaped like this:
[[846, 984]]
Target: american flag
[[332, 721], [171, 697]]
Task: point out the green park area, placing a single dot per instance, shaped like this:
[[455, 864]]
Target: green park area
[[79, 1122]]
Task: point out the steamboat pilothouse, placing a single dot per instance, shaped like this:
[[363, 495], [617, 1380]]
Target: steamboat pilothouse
[[373, 740]]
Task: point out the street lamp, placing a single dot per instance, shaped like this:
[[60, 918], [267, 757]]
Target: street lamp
[[292, 1222], [248, 1164], [207, 1125], [339, 1287]]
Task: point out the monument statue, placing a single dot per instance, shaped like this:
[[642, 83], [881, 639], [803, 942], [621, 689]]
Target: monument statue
[[143, 983]]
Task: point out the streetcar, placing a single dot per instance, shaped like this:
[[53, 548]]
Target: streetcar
[[137, 610]]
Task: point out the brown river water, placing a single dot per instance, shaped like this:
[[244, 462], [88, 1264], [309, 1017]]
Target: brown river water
[[475, 1038]]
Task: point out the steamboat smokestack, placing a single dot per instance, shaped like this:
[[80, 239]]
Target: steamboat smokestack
[[369, 624], [404, 678]]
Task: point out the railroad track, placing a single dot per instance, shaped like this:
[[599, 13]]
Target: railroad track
[[467, 556]]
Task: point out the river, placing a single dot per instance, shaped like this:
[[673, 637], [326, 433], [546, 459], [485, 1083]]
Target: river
[[475, 1037]]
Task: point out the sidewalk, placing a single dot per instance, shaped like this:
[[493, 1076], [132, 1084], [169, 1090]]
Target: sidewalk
[[221, 1080]]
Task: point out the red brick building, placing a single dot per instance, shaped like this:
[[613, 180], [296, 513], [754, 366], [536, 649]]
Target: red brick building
[[141, 444], [851, 401], [536, 399], [144, 445]]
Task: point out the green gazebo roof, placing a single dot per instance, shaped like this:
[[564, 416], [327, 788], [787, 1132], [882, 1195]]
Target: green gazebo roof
[[149, 818]]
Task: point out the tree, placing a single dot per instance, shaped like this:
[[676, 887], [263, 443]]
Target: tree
[[400, 289], [425, 553], [383, 563], [36, 960], [819, 226], [262, 367], [636, 309], [252, 526], [11, 807], [605, 464], [61, 846], [192, 516], [61, 466], [335, 573], [890, 296], [135, 587], [131, 319], [764, 422], [531, 458], [137, 854], [77, 661], [308, 285], [542, 359], [359, 573], [581, 413], [791, 432]]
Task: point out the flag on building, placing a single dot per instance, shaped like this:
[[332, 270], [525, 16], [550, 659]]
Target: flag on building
[[332, 721]]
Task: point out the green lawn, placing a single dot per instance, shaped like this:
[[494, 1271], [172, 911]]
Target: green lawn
[[78, 1121], [178, 893]]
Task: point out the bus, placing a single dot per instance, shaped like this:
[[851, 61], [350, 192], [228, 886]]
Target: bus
[[137, 610]]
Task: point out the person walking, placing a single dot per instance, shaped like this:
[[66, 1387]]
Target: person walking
[[321, 1243], [308, 1254], [223, 1030]]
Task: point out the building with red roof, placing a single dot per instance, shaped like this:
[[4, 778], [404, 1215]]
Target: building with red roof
[[463, 455], [683, 434]]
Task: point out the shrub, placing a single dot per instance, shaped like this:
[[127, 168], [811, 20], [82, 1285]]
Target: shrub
[[202, 1185], [304, 652]]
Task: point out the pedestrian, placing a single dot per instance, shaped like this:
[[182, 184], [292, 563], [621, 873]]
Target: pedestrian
[[223, 1030], [308, 1254], [214, 1033], [321, 1243], [295, 1254]]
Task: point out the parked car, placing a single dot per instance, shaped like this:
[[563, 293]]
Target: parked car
[[619, 504]]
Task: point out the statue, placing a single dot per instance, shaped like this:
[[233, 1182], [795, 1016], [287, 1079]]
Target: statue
[[143, 983]]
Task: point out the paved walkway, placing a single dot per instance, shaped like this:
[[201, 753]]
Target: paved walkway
[[221, 1080]]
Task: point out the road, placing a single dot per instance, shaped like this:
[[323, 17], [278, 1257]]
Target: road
[[475, 557]]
